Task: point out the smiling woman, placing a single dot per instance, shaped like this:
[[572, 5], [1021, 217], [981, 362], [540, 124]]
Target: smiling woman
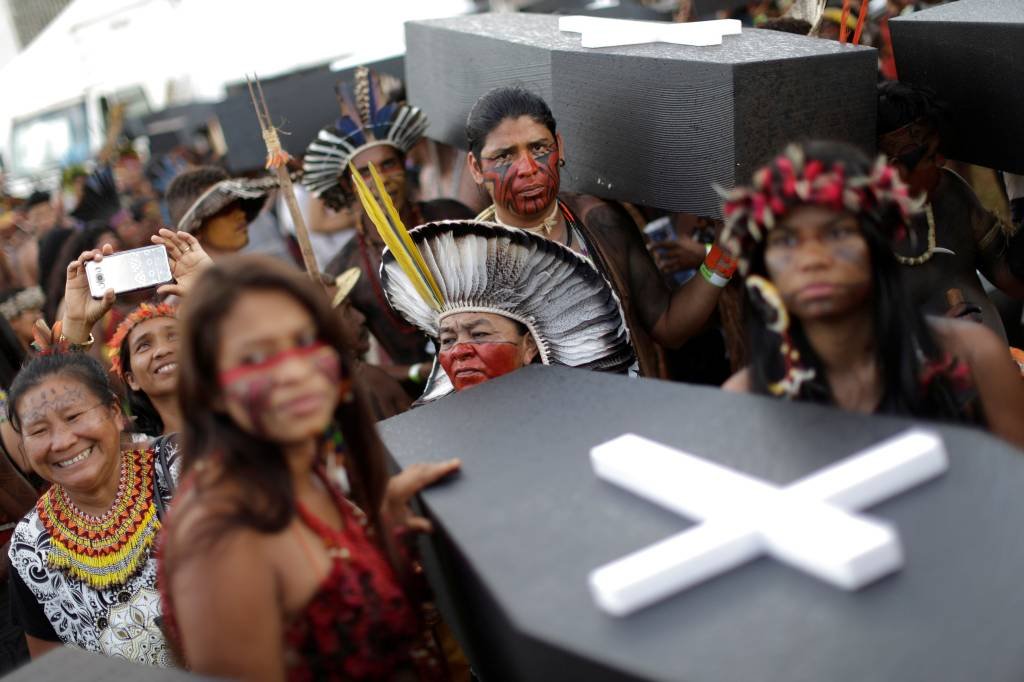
[[144, 354], [83, 559]]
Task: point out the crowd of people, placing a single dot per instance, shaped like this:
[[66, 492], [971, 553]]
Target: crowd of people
[[192, 475]]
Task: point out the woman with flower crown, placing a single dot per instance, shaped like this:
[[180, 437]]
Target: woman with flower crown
[[830, 321]]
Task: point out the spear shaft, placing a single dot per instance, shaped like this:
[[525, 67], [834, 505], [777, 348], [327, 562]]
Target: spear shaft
[[277, 159]]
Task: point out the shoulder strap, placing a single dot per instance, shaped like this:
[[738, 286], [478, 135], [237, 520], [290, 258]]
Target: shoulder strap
[[160, 451]]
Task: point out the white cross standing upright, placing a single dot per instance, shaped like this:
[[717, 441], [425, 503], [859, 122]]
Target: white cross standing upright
[[809, 524], [601, 32]]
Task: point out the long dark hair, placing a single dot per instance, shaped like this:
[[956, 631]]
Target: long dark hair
[[85, 369], [255, 463], [86, 239], [12, 354], [499, 104], [904, 343], [146, 418]]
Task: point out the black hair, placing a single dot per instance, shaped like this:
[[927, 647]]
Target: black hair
[[900, 104], [85, 369], [36, 198], [146, 418], [787, 25], [186, 187], [8, 294], [904, 343], [499, 104], [73, 245], [12, 354]]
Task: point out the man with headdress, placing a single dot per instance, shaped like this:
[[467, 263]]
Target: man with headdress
[[374, 130], [215, 208], [956, 237]]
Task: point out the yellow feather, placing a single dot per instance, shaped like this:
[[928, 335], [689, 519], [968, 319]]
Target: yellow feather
[[417, 272], [403, 234]]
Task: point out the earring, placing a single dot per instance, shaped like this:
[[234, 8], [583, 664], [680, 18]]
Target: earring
[[561, 163], [769, 307]]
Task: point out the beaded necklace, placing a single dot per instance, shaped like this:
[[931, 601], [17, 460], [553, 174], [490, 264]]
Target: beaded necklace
[[930, 251], [108, 550]]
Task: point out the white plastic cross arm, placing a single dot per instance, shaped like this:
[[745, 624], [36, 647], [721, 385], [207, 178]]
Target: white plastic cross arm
[[805, 524], [601, 32]]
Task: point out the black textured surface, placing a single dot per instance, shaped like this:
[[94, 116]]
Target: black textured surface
[[971, 53], [525, 522], [68, 664], [653, 124], [174, 126], [300, 104]]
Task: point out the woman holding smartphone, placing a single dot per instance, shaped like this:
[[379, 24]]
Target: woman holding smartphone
[[143, 349]]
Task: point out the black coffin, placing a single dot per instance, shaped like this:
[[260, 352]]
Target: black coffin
[[971, 53], [653, 124], [521, 527], [300, 103]]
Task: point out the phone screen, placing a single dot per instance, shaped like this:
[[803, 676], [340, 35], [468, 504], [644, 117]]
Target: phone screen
[[129, 271]]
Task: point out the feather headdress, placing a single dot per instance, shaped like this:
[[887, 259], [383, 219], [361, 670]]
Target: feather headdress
[[443, 268], [100, 199], [367, 120]]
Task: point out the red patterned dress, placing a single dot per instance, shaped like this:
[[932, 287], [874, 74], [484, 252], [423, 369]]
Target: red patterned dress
[[359, 625]]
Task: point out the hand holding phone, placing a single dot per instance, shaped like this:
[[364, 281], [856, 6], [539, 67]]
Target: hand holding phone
[[125, 271]]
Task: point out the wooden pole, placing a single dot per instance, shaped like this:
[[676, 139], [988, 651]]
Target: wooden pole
[[277, 159]]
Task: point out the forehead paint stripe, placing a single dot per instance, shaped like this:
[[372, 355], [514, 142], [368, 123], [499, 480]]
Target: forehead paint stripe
[[231, 375]]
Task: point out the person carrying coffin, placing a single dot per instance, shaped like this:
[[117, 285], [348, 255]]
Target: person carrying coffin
[[830, 319], [372, 129], [954, 236], [515, 154]]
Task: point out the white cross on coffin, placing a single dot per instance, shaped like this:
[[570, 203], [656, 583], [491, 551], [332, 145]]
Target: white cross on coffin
[[600, 32], [809, 524]]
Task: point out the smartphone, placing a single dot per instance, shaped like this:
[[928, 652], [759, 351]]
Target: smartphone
[[131, 270], [660, 230]]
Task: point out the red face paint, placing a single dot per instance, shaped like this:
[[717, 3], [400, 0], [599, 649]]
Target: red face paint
[[526, 187], [469, 364], [252, 385]]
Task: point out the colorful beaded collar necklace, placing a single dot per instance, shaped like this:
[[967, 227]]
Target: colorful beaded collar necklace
[[104, 551]]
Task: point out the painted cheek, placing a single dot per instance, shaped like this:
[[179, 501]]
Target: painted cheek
[[854, 254], [447, 359], [499, 358], [777, 262], [328, 364], [493, 360], [506, 184], [252, 394]]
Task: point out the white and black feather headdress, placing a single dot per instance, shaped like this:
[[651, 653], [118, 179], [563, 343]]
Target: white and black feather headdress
[[571, 311], [366, 121]]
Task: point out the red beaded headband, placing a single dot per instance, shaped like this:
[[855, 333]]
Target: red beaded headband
[[145, 311], [790, 181]]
